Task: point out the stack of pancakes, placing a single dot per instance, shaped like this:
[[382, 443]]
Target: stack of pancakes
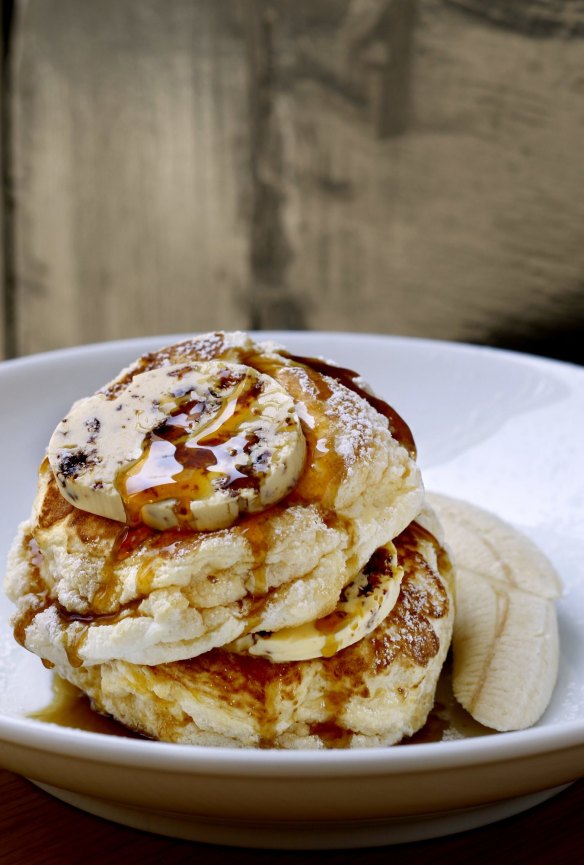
[[160, 628]]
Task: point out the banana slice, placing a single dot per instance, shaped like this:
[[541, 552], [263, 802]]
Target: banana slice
[[505, 643], [364, 604], [188, 444]]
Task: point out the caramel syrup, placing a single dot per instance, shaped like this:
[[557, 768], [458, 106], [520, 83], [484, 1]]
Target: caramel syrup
[[256, 532], [350, 379], [187, 458], [127, 541], [70, 707], [446, 721]]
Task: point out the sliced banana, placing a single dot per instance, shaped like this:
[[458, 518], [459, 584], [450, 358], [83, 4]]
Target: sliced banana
[[188, 444], [364, 604], [505, 642]]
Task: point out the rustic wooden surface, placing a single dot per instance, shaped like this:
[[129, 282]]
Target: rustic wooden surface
[[457, 223], [36, 829], [411, 167], [4, 28], [128, 120]]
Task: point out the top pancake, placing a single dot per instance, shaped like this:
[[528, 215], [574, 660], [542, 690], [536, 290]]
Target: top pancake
[[107, 592]]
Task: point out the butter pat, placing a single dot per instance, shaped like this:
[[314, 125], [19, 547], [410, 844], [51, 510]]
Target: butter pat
[[189, 445]]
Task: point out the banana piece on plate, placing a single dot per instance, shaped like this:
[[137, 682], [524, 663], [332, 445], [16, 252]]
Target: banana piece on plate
[[364, 603], [190, 444], [505, 642]]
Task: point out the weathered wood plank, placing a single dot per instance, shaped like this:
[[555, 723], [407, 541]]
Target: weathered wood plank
[[408, 167], [4, 296], [540, 18], [128, 123], [468, 223], [272, 304]]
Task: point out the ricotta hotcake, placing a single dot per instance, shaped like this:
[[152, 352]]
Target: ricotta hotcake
[[107, 591], [229, 545], [372, 693]]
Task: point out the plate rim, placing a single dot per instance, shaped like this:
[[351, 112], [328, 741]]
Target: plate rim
[[237, 762]]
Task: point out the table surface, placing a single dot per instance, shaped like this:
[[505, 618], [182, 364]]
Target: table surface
[[36, 829]]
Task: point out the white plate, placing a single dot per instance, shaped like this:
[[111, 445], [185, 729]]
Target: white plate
[[501, 430]]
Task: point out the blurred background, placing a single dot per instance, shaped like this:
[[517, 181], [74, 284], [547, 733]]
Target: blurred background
[[393, 166]]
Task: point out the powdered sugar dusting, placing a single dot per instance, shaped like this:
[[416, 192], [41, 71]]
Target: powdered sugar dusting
[[205, 347], [356, 422]]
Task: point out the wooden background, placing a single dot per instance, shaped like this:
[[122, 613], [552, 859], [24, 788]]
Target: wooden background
[[397, 166]]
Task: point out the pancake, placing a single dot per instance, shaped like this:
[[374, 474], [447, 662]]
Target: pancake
[[106, 591], [369, 694], [213, 634]]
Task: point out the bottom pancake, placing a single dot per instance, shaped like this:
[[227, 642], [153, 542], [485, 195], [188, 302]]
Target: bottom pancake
[[375, 692]]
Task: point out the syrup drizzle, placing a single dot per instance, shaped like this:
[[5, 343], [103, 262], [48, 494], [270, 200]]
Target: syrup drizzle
[[351, 380], [188, 456], [70, 707], [37, 591]]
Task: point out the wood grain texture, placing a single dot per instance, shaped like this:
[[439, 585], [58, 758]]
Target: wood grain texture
[[396, 166], [271, 302], [540, 18], [128, 167], [5, 295], [36, 829], [469, 222]]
